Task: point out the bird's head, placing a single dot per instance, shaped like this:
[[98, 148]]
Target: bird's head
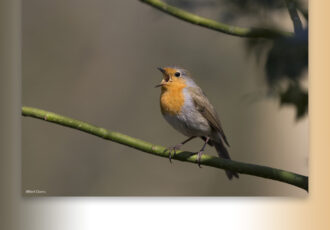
[[173, 77]]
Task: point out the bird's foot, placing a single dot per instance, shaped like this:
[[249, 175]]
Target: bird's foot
[[200, 153], [199, 156], [173, 150]]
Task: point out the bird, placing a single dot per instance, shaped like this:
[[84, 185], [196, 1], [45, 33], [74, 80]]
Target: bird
[[185, 107]]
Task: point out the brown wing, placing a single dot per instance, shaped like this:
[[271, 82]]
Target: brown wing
[[203, 105]]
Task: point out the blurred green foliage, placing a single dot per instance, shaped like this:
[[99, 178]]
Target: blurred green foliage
[[295, 95], [285, 60]]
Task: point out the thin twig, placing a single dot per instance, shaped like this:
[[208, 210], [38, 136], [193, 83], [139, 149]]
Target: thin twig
[[291, 5], [243, 168], [214, 25]]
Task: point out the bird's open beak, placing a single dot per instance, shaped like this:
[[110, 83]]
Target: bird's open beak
[[164, 73], [161, 70], [166, 77]]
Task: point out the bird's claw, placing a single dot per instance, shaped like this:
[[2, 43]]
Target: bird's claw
[[199, 156], [173, 149], [170, 154]]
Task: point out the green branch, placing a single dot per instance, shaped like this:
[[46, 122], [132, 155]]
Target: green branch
[[214, 25], [243, 168]]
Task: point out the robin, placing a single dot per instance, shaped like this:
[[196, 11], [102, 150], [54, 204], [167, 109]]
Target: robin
[[185, 106]]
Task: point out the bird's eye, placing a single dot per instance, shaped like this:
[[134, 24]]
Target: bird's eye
[[177, 74]]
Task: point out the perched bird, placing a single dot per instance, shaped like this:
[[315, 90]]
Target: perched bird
[[185, 106]]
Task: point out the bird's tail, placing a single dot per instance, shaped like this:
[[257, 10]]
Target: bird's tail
[[223, 153]]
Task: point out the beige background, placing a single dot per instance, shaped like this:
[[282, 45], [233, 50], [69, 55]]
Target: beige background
[[96, 61]]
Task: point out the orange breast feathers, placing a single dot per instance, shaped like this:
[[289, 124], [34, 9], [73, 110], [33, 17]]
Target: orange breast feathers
[[172, 98]]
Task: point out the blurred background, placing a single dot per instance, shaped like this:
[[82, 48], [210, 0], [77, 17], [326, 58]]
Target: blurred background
[[96, 61]]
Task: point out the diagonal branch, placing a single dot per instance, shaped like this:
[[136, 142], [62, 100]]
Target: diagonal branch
[[214, 25], [243, 168]]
